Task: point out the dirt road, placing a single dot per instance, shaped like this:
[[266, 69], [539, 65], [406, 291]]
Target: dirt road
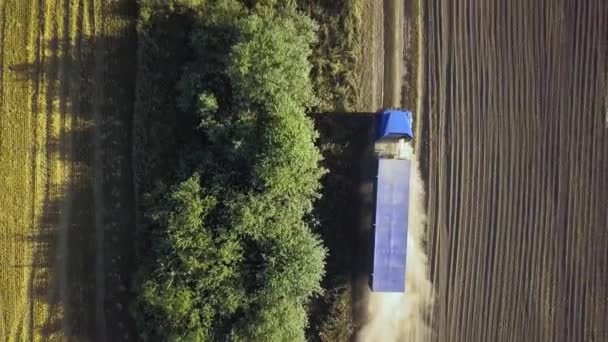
[[515, 155], [388, 75], [66, 97]]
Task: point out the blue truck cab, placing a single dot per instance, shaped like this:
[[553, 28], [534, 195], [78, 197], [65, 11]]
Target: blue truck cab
[[394, 124]]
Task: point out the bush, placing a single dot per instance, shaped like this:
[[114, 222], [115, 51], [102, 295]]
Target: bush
[[339, 326]]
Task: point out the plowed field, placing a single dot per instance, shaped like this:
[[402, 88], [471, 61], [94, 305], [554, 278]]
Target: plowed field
[[515, 157]]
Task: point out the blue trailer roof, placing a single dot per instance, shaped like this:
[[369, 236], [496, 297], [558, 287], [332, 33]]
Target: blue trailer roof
[[391, 220], [394, 123]]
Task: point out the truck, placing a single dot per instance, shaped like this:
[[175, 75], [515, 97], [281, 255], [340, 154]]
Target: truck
[[391, 200]]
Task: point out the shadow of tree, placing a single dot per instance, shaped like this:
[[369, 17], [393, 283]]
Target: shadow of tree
[[346, 208], [83, 259]]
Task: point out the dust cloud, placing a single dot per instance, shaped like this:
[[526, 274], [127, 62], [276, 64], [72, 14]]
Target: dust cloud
[[401, 316]]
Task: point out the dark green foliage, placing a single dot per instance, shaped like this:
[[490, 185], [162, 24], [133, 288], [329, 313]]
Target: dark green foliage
[[229, 253], [338, 324], [159, 129], [195, 271]]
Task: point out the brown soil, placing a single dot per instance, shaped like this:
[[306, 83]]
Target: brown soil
[[515, 156]]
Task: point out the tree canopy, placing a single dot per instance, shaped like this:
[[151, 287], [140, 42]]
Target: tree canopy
[[231, 253]]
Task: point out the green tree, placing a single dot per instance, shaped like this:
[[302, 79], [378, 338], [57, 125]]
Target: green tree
[[233, 253]]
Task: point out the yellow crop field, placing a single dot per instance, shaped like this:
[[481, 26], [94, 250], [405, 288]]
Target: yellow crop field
[[55, 95]]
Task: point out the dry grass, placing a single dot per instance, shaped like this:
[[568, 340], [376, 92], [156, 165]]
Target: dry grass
[[337, 55], [45, 71], [18, 152]]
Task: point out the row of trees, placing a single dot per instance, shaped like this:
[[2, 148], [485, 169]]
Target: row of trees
[[227, 251]]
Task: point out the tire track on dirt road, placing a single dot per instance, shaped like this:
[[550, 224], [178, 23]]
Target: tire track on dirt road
[[98, 78], [38, 181], [65, 153], [33, 36], [51, 216], [2, 44]]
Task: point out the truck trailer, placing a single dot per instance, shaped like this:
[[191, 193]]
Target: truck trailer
[[392, 196]]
